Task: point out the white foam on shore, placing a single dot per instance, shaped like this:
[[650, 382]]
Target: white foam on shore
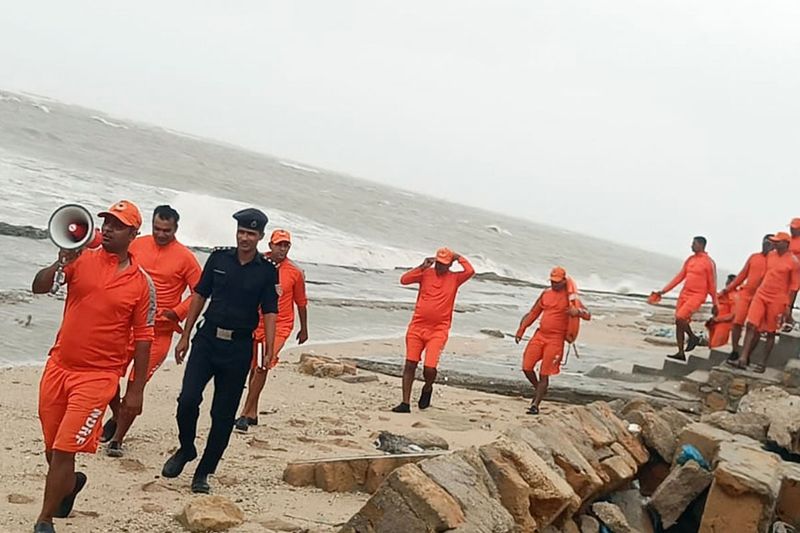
[[108, 122], [298, 166]]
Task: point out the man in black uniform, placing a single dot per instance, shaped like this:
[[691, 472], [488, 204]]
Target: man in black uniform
[[238, 281]]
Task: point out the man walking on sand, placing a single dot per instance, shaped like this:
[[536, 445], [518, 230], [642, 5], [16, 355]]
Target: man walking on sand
[[173, 268], [108, 295], [773, 301], [292, 291], [430, 325], [555, 306], [239, 281], [699, 274], [746, 284]]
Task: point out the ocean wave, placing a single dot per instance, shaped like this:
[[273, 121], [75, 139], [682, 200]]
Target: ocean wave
[[41, 107], [298, 166], [497, 229], [101, 120]]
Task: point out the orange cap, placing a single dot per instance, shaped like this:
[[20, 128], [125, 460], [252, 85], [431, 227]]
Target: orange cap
[[280, 235], [781, 236], [126, 212], [444, 256], [795, 223], [558, 274]]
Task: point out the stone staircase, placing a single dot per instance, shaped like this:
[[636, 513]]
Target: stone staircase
[[787, 347]]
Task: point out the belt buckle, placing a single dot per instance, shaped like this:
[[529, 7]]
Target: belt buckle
[[224, 334]]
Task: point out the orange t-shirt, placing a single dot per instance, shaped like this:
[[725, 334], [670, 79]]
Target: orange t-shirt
[[103, 306], [782, 276], [720, 328], [794, 246], [700, 275], [292, 291], [173, 269], [553, 307], [437, 293], [751, 275]]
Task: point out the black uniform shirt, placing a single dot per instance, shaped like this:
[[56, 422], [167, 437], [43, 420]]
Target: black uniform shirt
[[237, 290]]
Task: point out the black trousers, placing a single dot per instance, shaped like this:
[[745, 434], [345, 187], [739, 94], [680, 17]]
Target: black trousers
[[228, 362]]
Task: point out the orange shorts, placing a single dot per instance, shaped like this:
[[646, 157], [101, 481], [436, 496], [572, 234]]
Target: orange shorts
[[260, 349], [547, 349], [431, 341], [766, 315], [71, 406], [688, 304], [719, 334], [742, 306], [159, 351]]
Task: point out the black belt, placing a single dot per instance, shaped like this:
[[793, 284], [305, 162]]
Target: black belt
[[225, 334]]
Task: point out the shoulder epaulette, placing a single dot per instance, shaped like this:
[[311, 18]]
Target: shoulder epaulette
[[222, 248]]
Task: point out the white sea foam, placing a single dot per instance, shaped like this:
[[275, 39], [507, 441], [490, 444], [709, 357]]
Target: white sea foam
[[498, 230], [298, 166], [108, 122]]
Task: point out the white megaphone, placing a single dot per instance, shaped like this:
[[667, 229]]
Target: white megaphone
[[71, 227]]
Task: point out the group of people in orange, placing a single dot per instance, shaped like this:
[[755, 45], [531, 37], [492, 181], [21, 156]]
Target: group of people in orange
[[759, 300], [125, 300]]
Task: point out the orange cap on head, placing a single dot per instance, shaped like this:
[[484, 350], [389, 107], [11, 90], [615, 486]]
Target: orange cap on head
[[280, 235], [558, 274], [126, 212], [795, 223], [444, 256], [781, 236]]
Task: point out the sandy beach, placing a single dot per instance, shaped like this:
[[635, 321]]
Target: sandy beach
[[301, 417]]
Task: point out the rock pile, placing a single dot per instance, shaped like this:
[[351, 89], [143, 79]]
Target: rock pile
[[582, 470]]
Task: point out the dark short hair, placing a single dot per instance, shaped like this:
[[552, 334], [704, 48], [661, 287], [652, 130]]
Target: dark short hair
[[768, 236], [166, 212], [702, 240], [731, 277]]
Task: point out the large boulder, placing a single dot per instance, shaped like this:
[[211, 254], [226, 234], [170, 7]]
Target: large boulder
[[743, 494], [536, 492], [427, 440], [432, 504], [783, 411], [679, 489], [657, 433], [753, 425], [613, 517], [211, 513], [465, 484]]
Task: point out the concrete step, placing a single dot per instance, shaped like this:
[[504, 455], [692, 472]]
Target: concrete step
[[697, 362], [647, 370], [675, 369], [692, 382], [717, 357], [672, 390]]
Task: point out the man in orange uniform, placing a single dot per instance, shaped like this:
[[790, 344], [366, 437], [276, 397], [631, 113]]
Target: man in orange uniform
[[699, 274], [292, 292], [173, 268], [430, 325], [748, 280], [794, 230], [108, 295], [773, 301], [547, 344], [719, 327]]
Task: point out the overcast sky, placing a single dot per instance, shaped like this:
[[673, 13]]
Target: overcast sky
[[644, 122]]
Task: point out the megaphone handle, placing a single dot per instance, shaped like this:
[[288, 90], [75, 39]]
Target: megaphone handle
[[59, 278]]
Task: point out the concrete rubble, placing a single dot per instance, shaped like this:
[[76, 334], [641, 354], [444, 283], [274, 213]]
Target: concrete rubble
[[581, 469]]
